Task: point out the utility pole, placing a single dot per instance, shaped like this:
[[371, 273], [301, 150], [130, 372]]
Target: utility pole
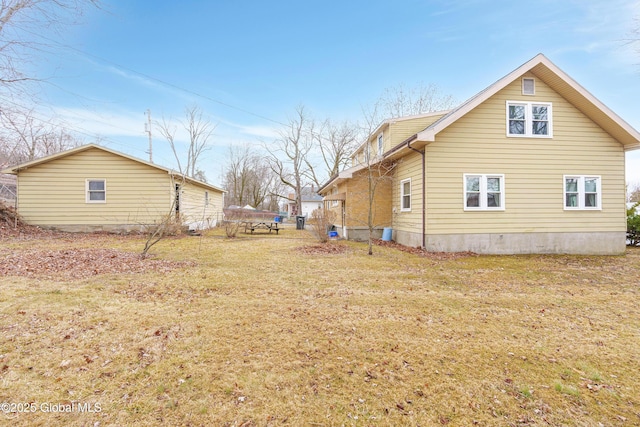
[[147, 129]]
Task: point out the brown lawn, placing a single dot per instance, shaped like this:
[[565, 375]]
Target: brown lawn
[[279, 330]]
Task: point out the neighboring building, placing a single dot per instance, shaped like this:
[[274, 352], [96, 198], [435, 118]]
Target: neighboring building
[[311, 201], [93, 188], [532, 164]]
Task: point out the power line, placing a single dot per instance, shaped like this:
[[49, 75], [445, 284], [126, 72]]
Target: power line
[[162, 82]]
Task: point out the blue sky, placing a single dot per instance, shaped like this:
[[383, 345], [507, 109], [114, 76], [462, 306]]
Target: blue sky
[[249, 64]]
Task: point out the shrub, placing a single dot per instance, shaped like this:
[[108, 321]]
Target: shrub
[[169, 225], [633, 225], [321, 222]]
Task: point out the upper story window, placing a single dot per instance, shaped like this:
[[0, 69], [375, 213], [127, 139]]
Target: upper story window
[[483, 192], [380, 144], [405, 195], [582, 192], [96, 191], [529, 119], [206, 198]]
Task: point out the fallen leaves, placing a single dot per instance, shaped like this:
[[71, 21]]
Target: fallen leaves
[[423, 252], [79, 263], [323, 249]]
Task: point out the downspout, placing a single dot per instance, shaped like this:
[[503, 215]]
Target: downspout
[[424, 186]]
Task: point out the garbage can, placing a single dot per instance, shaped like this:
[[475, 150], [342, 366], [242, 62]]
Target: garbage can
[[299, 222], [386, 234]]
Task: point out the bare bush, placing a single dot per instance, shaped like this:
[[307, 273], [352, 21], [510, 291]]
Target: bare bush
[[169, 225], [321, 222]]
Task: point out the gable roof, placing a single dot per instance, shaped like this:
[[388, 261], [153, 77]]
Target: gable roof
[[14, 170], [559, 81], [386, 123]]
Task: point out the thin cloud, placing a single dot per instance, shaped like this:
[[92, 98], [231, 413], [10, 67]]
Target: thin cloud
[[102, 123]]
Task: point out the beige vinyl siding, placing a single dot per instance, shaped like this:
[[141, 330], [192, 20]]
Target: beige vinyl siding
[[393, 134], [409, 166], [54, 193], [533, 169], [400, 130], [193, 207]]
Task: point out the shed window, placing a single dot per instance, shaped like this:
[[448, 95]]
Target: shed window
[[96, 190]]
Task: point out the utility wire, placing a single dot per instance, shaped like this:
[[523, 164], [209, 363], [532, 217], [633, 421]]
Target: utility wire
[[162, 82]]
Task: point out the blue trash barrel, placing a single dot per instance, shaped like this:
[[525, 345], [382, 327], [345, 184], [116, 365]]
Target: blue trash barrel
[[386, 234]]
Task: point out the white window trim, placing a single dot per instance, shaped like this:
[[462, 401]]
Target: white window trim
[[528, 119], [334, 203], [402, 195], [483, 192], [581, 193], [86, 190], [380, 141], [534, 86]]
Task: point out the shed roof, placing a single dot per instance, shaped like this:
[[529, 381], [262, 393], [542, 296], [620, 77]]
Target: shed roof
[[15, 170]]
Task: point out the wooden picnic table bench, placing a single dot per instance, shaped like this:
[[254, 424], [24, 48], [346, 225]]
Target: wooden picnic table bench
[[257, 225]]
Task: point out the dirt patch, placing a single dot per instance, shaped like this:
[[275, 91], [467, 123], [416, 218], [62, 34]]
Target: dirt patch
[[323, 249], [423, 252], [70, 264]]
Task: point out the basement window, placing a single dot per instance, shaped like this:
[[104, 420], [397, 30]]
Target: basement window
[[96, 191]]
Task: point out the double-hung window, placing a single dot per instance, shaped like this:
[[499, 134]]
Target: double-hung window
[[380, 144], [582, 192], [483, 192], [529, 119], [405, 195], [96, 191]]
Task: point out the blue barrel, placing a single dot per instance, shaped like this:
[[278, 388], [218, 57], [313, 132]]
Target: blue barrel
[[277, 219], [386, 234]]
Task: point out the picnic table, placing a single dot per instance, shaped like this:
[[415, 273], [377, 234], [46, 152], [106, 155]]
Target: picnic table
[[261, 225]]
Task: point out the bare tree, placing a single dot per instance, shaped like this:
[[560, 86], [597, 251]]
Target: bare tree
[[633, 192], [394, 102], [199, 131], [336, 142], [288, 156], [236, 175], [400, 101], [19, 21], [248, 179], [24, 137]]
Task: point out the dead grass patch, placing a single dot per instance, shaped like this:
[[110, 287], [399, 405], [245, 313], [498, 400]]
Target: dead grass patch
[[257, 332], [327, 248], [71, 264]]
